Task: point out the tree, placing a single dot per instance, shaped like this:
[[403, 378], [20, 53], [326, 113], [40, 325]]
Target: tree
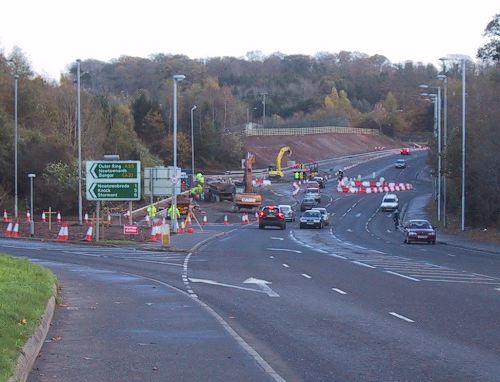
[[491, 50]]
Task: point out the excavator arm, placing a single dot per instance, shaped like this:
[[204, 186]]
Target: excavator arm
[[248, 176], [279, 158]]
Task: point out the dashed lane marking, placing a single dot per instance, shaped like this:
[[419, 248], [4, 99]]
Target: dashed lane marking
[[340, 291], [401, 317]]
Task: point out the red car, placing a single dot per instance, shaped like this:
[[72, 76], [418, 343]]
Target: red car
[[405, 151], [419, 231]]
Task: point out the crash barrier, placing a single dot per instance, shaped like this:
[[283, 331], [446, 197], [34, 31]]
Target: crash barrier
[[370, 187]]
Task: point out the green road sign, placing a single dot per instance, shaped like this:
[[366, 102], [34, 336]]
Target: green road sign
[[114, 191], [113, 180], [114, 170]]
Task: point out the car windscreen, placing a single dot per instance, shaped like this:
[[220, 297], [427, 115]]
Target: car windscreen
[[314, 214], [389, 200], [285, 208]]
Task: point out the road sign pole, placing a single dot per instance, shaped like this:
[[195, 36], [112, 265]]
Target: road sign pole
[[98, 213]]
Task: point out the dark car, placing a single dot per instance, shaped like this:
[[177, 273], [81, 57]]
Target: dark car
[[308, 203], [419, 231], [271, 216]]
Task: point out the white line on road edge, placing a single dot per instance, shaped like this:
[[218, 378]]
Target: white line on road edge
[[286, 265], [339, 291], [401, 317], [284, 249], [403, 276], [363, 264], [306, 275], [276, 238]]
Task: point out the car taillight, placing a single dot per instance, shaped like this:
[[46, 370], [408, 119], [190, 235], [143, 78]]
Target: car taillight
[[280, 215], [261, 215]]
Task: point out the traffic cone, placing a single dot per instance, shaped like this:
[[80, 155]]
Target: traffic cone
[[88, 236], [154, 230], [59, 219], [5, 216], [182, 227], [190, 230], [8, 232], [15, 230], [63, 234], [44, 219], [146, 219], [188, 220], [109, 219], [244, 219], [225, 220], [86, 218], [158, 230], [205, 221], [28, 216], [256, 215]]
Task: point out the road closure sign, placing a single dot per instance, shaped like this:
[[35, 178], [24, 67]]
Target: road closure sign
[[113, 180]]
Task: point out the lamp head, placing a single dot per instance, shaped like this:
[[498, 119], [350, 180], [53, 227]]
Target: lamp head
[[441, 77], [179, 77], [31, 175]]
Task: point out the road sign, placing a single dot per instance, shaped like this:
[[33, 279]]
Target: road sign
[[113, 180], [129, 229]]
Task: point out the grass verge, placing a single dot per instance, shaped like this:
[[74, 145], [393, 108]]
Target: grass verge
[[25, 289]]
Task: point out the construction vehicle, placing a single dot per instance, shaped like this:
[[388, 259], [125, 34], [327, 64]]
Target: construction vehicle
[[219, 191], [276, 172], [183, 204], [248, 200]]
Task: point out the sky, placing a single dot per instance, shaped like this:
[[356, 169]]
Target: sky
[[54, 33]]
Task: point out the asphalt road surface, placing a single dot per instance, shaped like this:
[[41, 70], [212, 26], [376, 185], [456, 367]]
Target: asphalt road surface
[[349, 302]]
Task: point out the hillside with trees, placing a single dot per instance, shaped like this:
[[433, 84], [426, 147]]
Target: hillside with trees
[[126, 107]]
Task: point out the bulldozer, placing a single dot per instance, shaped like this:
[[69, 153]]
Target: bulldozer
[[248, 200], [276, 172]]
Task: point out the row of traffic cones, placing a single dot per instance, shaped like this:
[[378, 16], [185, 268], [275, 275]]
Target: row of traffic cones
[[12, 230]]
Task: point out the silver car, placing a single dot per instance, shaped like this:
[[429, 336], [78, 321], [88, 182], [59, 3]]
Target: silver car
[[288, 211], [325, 215]]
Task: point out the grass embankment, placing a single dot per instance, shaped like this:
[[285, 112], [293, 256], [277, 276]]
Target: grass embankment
[[25, 289]]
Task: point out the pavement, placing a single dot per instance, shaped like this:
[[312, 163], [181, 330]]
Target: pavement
[[416, 210]]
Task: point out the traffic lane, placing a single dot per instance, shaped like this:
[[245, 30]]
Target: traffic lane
[[314, 317], [114, 326]]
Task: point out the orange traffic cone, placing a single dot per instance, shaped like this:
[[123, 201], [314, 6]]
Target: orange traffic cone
[[63, 234], [158, 230], [8, 232], [15, 230], [182, 227], [225, 220], [87, 221], [256, 215], [109, 219], [44, 219], [154, 231], [244, 219], [188, 220], [28, 216], [88, 236], [59, 219], [5, 216], [205, 221], [146, 219]]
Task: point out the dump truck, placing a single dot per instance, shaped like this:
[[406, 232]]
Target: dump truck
[[219, 191]]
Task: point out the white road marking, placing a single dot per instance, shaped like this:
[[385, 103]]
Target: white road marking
[[403, 276], [349, 230], [498, 289], [284, 249], [337, 256], [263, 285], [339, 291], [401, 317], [306, 275], [486, 282], [276, 238], [286, 265], [358, 214], [363, 264]]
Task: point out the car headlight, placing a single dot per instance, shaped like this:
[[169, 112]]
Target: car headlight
[[412, 233]]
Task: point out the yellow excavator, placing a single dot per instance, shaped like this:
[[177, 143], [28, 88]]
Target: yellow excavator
[[276, 172]]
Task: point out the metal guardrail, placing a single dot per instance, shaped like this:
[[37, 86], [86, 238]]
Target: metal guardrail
[[251, 131]]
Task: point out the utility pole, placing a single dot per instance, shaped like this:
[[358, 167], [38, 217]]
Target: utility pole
[[263, 108]]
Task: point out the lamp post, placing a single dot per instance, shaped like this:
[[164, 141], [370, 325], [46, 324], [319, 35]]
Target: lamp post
[[437, 129], [192, 146], [32, 222], [16, 211], [462, 60], [79, 129], [444, 78], [177, 78]]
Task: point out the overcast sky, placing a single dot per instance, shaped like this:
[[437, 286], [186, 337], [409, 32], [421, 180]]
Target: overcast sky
[[54, 33]]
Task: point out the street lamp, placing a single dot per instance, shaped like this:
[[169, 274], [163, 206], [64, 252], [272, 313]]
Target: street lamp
[[192, 146], [443, 77], [79, 129], [177, 78], [16, 211], [32, 222], [462, 218], [437, 128]]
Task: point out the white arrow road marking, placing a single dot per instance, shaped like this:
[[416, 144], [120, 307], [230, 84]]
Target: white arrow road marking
[[284, 249], [263, 285], [211, 282], [277, 238], [401, 317]]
